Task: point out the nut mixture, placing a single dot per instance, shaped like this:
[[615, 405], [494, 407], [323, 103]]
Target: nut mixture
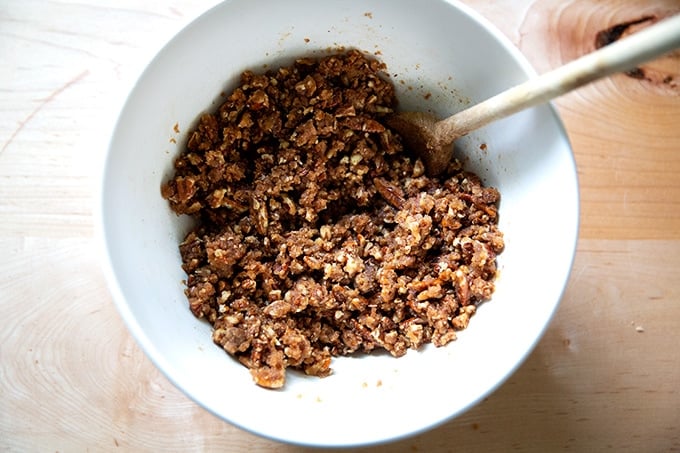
[[319, 235]]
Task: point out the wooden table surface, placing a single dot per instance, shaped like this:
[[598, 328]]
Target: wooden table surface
[[605, 376]]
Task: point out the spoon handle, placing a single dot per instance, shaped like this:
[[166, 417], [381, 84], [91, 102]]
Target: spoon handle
[[622, 55]]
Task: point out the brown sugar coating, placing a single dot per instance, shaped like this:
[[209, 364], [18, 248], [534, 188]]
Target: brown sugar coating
[[319, 234]]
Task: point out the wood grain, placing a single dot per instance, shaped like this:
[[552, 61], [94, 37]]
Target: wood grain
[[72, 379], [621, 128]]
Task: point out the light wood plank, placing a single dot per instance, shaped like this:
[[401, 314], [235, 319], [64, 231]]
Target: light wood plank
[[72, 379]]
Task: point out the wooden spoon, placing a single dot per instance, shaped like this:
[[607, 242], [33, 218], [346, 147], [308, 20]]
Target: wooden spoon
[[433, 140]]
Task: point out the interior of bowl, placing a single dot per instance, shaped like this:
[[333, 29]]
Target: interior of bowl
[[434, 49]]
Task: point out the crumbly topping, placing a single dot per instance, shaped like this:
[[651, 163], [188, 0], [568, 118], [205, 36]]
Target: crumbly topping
[[319, 234]]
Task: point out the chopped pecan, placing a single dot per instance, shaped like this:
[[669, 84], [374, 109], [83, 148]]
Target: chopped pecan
[[317, 234], [390, 192]]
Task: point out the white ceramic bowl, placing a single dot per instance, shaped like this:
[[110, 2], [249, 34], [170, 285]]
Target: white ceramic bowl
[[435, 46]]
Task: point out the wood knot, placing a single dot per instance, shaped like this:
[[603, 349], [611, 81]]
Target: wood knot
[[663, 73]]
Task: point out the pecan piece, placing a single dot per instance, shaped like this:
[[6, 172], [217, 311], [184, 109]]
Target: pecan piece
[[391, 193]]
